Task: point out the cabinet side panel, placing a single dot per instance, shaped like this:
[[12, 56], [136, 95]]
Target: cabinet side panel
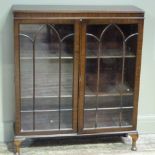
[[17, 75], [137, 71]]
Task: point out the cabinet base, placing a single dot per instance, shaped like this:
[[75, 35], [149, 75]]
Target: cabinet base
[[17, 145], [19, 139]]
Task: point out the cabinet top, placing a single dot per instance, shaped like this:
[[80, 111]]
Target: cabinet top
[[76, 11], [77, 8]]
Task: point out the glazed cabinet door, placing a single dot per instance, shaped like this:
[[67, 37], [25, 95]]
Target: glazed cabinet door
[[47, 56], [108, 78]]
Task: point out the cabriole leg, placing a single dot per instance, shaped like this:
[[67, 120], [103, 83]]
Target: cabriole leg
[[17, 144], [134, 140]]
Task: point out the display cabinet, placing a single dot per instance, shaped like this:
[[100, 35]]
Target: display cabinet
[[77, 70]]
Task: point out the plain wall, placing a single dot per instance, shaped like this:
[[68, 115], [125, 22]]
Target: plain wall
[[146, 115]]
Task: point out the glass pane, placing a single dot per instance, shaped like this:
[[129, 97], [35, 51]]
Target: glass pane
[[129, 74], [26, 82], [110, 75], [131, 45], [26, 121], [66, 77], [92, 46], [108, 118], [89, 119], [66, 119], [91, 76], [46, 120], [46, 78], [26, 79], [26, 40], [127, 101], [127, 117], [66, 103], [90, 102], [46, 42], [46, 67], [112, 41], [67, 46], [26, 104]]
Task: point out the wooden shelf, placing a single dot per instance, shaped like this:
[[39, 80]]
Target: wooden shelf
[[108, 108], [46, 58], [37, 97], [52, 110], [108, 94], [110, 57]]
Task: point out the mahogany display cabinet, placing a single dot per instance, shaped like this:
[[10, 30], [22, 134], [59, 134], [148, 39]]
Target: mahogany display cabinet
[[77, 70]]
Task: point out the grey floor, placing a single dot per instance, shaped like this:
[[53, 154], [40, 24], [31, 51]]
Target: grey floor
[[85, 146]]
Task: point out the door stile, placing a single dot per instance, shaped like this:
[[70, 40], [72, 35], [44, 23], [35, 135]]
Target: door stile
[[17, 76], [82, 77], [76, 75]]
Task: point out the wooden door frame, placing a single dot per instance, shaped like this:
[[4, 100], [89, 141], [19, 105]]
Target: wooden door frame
[[139, 22], [17, 23]]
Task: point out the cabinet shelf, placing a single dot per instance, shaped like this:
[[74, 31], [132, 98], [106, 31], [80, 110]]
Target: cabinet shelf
[[45, 130], [108, 94], [86, 95], [52, 110], [108, 108], [86, 109], [109, 127], [110, 57], [37, 97], [46, 58]]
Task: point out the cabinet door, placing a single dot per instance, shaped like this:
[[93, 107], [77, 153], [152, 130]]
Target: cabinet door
[[48, 90], [108, 77]]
